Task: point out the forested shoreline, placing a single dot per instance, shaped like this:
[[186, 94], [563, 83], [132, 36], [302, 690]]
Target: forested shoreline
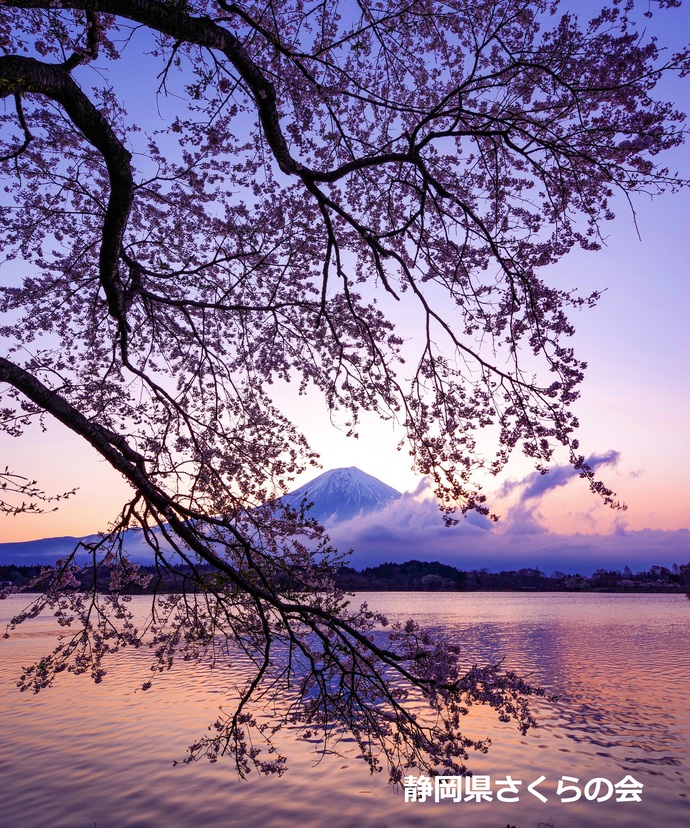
[[421, 576]]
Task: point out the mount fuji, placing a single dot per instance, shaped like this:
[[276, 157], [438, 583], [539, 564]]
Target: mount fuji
[[340, 494]]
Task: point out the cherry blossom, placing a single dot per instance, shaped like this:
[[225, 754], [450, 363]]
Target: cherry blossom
[[292, 169]]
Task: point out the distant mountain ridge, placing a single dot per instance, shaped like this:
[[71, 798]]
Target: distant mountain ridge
[[341, 494], [44, 551]]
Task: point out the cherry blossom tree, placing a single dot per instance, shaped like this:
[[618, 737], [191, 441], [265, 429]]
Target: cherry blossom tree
[[203, 198]]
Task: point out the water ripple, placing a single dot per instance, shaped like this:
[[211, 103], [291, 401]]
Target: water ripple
[[81, 753]]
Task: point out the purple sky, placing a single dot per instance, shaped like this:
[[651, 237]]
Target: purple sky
[[633, 413]]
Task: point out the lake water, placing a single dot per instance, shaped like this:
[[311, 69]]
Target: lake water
[[81, 754]]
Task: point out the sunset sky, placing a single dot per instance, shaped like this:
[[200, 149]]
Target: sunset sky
[[633, 412]]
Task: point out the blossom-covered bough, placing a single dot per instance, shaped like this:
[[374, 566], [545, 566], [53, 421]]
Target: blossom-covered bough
[[205, 198]]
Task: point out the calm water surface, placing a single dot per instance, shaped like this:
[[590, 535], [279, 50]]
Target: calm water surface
[[81, 754]]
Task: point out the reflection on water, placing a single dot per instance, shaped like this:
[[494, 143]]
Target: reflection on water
[[81, 754]]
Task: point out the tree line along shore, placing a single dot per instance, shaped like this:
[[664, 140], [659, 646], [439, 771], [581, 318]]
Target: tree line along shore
[[427, 576]]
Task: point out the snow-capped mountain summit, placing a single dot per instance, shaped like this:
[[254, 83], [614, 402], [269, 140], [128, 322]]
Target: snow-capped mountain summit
[[340, 494]]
